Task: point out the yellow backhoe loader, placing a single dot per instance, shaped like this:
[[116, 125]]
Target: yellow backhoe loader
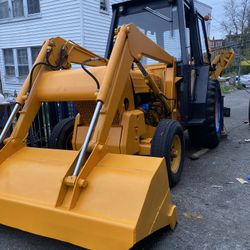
[[113, 189]]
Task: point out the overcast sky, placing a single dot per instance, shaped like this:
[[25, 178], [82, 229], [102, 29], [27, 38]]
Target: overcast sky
[[217, 17]]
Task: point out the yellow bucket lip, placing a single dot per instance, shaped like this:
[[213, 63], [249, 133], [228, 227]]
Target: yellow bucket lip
[[71, 227]]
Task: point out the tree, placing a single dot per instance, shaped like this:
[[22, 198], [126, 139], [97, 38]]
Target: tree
[[237, 16], [237, 27]]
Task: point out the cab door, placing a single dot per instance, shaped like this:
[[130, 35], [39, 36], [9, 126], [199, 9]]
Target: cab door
[[199, 62]]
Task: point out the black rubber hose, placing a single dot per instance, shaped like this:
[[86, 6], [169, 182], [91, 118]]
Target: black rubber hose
[[32, 72], [47, 64], [89, 73]]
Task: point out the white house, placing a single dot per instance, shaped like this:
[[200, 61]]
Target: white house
[[25, 24]]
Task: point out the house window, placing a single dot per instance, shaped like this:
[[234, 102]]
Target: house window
[[104, 5], [34, 53], [17, 8], [9, 62], [22, 60], [4, 9], [33, 6], [18, 62]]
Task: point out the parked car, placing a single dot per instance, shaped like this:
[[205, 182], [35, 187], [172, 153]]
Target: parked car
[[245, 80]]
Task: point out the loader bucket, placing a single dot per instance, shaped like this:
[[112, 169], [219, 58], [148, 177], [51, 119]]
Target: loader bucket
[[126, 199]]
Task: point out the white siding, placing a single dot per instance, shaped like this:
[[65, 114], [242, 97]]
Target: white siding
[[96, 26], [57, 18]]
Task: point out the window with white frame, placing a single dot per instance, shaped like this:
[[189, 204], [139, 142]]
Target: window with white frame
[[33, 6], [104, 5], [18, 62], [9, 62], [18, 8], [4, 9], [34, 53], [22, 61]]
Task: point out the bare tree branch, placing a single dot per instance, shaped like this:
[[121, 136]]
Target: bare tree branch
[[237, 16]]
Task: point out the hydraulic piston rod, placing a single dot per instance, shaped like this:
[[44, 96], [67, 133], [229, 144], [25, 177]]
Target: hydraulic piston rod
[[9, 122], [88, 137], [150, 82]]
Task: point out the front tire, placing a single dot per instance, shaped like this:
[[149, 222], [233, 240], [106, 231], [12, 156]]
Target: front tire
[[208, 135], [61, 136], [168, 142]]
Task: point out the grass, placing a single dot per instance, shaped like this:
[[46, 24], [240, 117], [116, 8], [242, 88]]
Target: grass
[[230, 88]]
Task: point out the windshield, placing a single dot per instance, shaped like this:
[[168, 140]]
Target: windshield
[[159, 24]]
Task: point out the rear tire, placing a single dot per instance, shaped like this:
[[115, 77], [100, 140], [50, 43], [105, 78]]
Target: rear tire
[[61, 135], [168, 142], [208, 135]]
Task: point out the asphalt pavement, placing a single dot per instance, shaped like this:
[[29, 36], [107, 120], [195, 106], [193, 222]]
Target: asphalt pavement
[[213, 207]]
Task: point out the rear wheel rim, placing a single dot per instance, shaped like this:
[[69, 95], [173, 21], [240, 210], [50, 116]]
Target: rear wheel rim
[[217, 117], [175, 154]]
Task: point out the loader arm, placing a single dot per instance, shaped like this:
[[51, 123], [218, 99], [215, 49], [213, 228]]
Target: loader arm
[[222, 61], [51, 51], [126, 51]]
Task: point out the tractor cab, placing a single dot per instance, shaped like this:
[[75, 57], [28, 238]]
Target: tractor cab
[[180, 30], [175, 26]]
